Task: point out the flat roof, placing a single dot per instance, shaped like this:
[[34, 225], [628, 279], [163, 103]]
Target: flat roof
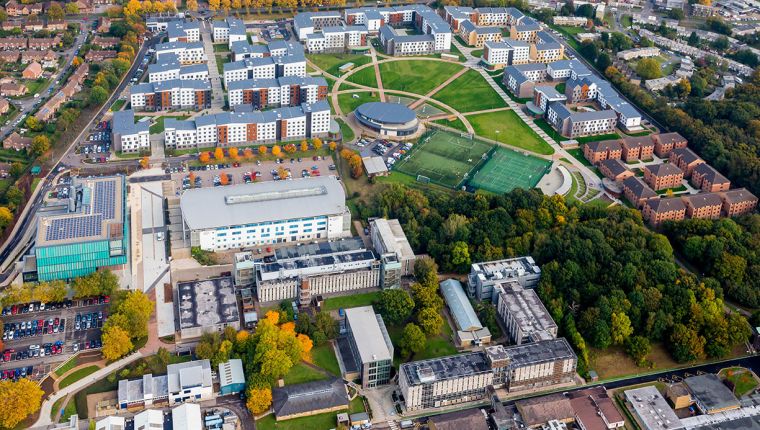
[[262, 202], [653, 409], [709, 390], [393, 238], [460, 306], [386, 113], [313, 396], [206, 303], [528, 311], [443, 368], [368, 334]]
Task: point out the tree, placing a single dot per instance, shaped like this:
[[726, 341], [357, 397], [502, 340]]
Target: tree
[[72, 8], [721, 43], [145, 162], [101, 283], [248, 154], [430, 321], [648, 68], [5, 217], [426, 296], [412, 340], [586, 10], [192, 5], [603, 61], [20, 399], [356, 164], [40, 145], [3, 15], [226, 4], [686, 344], [460, 255], [317, 142], [693, 39], [332, 146], [275, 364], [276, 150], [426, 271], [98, 95], [33, 124], [204, 157], [137, 309], [620, 327], [214, 5], [55, 12], [14, 196], [234, 154], [258, 400], [395, 305], [219, 153], [638, 348], [325, 324], [116, 342]]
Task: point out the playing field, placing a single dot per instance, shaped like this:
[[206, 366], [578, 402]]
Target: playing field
[[443, 157], [506, 170]]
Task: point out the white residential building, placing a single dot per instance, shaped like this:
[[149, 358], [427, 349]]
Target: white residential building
[[189, 382], [498, 55], [128, 136], [170, 68], [186, 52], [280, 92], [230, 30], [291, 64], [183, 31]]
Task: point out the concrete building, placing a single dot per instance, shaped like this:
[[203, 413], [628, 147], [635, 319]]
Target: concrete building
[[231, 377], [580, 123], [311, 398], [484, 276], [127, 135], [663, 176], [140, 393], [171, 95], [169, 68], [278, 92], [390, 242], [523, 314], [634, 53], [149, 419], [93, 232], [186, 52], [477, 36], [206, 306], [657, 211], [710, 394], [544, 95], [470, 331], [247, 128], [652, 410], [187, 416], [546, 49], [570, 21], [344, 38], [189, 382], [525, 30], [521, 78], [370, 344], [262, 213], [707, 179], [308, 23], [738, 202], [111, 423], [497, 55]]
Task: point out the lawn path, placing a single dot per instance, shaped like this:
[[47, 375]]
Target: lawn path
[[378, 78], [432, 92]]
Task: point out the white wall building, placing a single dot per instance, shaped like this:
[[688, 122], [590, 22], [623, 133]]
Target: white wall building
[[189, 382], [128, 136], [186, 52], [497, 55]]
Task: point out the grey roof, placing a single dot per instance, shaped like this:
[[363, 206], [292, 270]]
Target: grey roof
[[539, 352], [506, 44], [123, 123], [134, 390], [253, 83], [374, 165], [178, 45], [530, 67], [387, 32], [387, 113], [664, 169], [686, 155], [175, 124], [549, 91], [738, 195], [470, 419], [702, 200], [710, 174], [594, 115], [169, 85], [527, 311], [615, 166], [206, 304], [605, 145], [193, 68], [663, 205], [368, 333], [309, 397], [231, 372], [710, 392], [460, 306], [639, 188], [242, 47], [189, 374], [546, 41], [261, 202], [560, 109], [443, 368], [528, 24], [669, 138], [653, 409]]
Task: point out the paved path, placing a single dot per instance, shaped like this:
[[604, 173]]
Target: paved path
[[217, 95], [378, 78], [432, 92]]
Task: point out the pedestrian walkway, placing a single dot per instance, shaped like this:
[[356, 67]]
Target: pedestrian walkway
[[432, 92], [378, 77], [217, 94]]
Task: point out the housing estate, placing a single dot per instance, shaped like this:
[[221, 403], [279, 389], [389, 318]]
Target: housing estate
[[524, 315], [285, 62], [170, 68], [171, 94], [127, 135], [229, 30], [185, 52], [277, 92], [663, 176], [183, 31]]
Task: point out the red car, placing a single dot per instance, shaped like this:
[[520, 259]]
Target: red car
[[107, 299]]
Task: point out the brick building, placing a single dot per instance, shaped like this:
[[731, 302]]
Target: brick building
[[637, 191], [657, 211], [666, 142], [703, 205], [637, 148], [602, 150], [707, 179], [663, 176], [685, 159], [615, 170], [738, 202]]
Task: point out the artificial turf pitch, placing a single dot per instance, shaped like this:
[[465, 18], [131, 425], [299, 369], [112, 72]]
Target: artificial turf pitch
[[507, 169], [445, 158]]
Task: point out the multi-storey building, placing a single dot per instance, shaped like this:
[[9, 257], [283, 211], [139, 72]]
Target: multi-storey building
[[663, 176], [686, 160], [463, 378], [738, 202], [186, 52], [284, 91], [576, 124], [484, 276], [435, 38], [170, 68], [230, 30], [602, 150], [637, 191], [371, 18], [615, 170], [637, 148], [456, 15], [292, 62], [389, 239], [526, 30], [706, 178], [477, 36], [522, 78], [570, 21], [657, 211], [523, 314], [703, 205], [128, 136], [546, 49], [307, 23], [245, 128], [183, 31], [265, 213], [92, 234], [171, 94], [338, 39], [666, 142], [643, 52], [497, 55], [370, 344], [543, 95]]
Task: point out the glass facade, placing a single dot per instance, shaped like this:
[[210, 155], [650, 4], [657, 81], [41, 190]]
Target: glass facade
[[78, 259]]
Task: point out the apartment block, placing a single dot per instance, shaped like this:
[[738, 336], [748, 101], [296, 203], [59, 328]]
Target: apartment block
[[522, 78], [485, 276], [290, 63], [576, 124], [127, 135], [310, 22], [245, 128], [615, 170], [338, 39], [738, 202], [477, 36], [707, 179], [526, 30], [186, 52], [685, 159], [637, 148], [656, 211], [279, 92], [634, 53], [546, 49], [183, 31], [169, 68], [171, 94], [666, 142], [230, 30], [523, 314], [497, 55], [602, 150], [663, 176], [703, 205], [544, 95], [637, 191], [570, 21]]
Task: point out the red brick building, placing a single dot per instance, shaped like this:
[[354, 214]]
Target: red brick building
[[638, 148], [703, 205], [666, 142], [657, 211], [663, 176], [615, 170], [685, 159], [637, 191], [707, 179], [738, 202], [602, 150]]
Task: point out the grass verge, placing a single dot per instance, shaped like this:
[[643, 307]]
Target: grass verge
[[511, 131], [77, 375]]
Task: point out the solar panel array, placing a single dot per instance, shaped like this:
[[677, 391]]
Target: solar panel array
[[69, 228], [105, 192]]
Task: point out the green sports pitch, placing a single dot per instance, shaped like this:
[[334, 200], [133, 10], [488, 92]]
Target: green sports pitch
[[444, 158], [507, 169]]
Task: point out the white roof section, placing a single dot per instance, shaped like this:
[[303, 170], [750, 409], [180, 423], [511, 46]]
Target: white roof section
[[368, 334], [393, 238], [461, 309], [374, 165], [111, 423], [187, 375], [261, 202], [187, 416], [231, 372], [149, 419]]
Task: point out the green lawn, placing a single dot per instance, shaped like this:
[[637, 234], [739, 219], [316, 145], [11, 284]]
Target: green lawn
[[221, 47], [365, 76], [356, 405], [301, 373], [742, 379], [543, 125], [348, 102], [416, 76], [324, 421], [324, 357], [77, 375], [560, 87], [597, 138], [477, 53], [70, 364], [511, 131], [36, 86], [577, 153], [351, 301], [12, 112], [470, 92], [457, 124], [56, 411], [221, 60], [158, 123], [118, 104], [626, 21], [436, 346], [330, 63], [69, 411], [345, 130]]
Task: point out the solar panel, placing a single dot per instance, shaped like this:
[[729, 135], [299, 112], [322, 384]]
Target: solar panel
[[75, 227], [104, 199]]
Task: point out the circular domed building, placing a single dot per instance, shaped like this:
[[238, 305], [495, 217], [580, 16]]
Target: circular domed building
[[388, 119]]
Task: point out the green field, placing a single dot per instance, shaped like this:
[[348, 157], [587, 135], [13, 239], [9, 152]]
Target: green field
[[118, 104], [416, 76], [742, 379], [77, 375], [36, 86], [365, 76], [470, 92], [506, 170], [348, 102], [324, 421], [512, 131], [68, 365], [301, 373], [158, 123], [350, 301], [221, 60], [324, 357], [457, 124], [443, 157], [330, 63], [345, 130]]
